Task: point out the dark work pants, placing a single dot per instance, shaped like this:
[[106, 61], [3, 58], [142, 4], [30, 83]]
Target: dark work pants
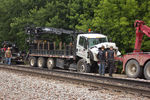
[[111, 66]]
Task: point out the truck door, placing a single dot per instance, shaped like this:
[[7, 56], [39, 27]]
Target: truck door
[[82, 47]]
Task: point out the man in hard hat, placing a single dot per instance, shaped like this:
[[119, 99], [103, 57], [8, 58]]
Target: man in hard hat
[[8, 56]]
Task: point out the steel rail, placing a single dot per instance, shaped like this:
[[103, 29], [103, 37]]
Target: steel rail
[[134, 86]]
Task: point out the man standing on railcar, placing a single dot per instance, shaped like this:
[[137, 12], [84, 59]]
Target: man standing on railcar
[[110, 54], [101, 63]]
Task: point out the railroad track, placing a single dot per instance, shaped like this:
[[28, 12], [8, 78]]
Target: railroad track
[[121, 84]]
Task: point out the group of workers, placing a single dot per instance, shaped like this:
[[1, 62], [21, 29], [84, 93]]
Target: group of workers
[[7, 54], [106, 57]]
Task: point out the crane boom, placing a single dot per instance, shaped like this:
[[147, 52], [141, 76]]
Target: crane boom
[[48, 30], [141, 29]]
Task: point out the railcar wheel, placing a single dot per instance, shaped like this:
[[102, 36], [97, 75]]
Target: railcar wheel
[[41, 62], [33, 61], [2, 60], [147, 70], [50, 63], [82, 66], [133, 69]]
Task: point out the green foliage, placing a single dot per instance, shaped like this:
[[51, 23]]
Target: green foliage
[[114, 18]]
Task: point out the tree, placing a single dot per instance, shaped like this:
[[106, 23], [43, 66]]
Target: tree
[[115, 19]]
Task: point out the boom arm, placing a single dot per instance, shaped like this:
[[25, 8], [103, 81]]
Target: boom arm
[[48, 30], [141, 29]]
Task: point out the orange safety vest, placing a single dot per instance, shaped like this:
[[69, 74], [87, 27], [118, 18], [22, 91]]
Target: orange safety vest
[[8, 53]]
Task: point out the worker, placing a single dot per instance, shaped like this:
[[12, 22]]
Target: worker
[[4, 48], [8, 56], [110, 54], [101, 58]]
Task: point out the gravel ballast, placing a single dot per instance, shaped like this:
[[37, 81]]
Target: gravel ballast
[[21, 86]]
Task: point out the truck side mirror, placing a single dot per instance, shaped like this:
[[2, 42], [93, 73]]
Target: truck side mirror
[[86, 44]]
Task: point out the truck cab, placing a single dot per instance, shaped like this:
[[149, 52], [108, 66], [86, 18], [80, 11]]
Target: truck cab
[[86, 41], [87, 47]]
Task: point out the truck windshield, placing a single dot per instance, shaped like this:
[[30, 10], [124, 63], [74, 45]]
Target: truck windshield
[[95, 41]]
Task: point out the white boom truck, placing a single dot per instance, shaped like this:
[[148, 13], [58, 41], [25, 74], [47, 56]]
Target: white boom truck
[[79, 54]]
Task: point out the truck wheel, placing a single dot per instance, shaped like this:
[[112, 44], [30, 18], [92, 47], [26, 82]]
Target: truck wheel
[[133, 69], [147, 70], [50, 63], [33, 61], [41, 62], [82, 66]]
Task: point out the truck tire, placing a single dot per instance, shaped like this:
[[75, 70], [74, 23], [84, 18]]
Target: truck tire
[[82, 66], [147, 70], [133, 69], [41, 62], [50, 63], [33, 61]]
